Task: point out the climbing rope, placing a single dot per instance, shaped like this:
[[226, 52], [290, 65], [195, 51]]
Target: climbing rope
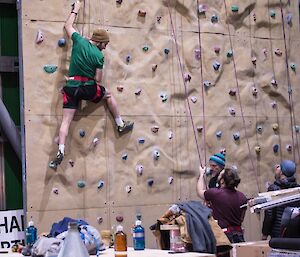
[[184, 82], [290, 90], [240, 103], [202, 89]]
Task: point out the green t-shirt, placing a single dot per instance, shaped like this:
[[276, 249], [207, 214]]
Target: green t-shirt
[[85, 59]]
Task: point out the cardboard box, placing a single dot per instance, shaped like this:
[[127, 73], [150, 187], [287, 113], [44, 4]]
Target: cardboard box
[[253, 249]]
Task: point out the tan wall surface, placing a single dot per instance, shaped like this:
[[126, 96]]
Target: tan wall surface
[[179, 157]]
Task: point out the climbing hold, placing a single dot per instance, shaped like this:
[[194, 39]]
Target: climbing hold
[[119, 1], [96, 141], [81, 132], [170, 180], [223, 151], [232, 92], [50, 68], [120, 88], [231, 111], [55, 190], [259, 129], [274, 104], [197, 53], [289, 148], [289, 19], [234, 8], [272, 14], [150, 182], [219, 134], [138, 91], [128, 58], [297, 128], [253, 59], [146, 48], [254, 91], [275, 126], [278, 52], [155, 129], [236, 136], [217, 49], [99, 220], [257, 149], [275, 148], [170, 134], [141, 140], [142, 14], [119, 218], [100, 184], [214, 18], [254, 16], [128, 189], [265, 53], [71, 162], [187, 77], [200, 129], [163, 96], [207, 84], [166, 51], [202, 8], [39, 37], [229, 54], [158, 19], [61, 42], [274, 82], [81, 183], [124, 156], [154, 67], [293, 66], [216, 65], [194, 99], [156, 155], [139, 169]]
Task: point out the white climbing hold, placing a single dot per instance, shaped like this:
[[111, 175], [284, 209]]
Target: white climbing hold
[[202, 8], [170, 134], [120, 88], [254, 91], [274, 104], [138, 91], [139, 169], [274, 82], [39, 37], [231, 111], [100, 184], [170, 180], [128, 189], [197, 53], [55, 190], [155, 129], [156, 154], [96, 141], [194, 99]]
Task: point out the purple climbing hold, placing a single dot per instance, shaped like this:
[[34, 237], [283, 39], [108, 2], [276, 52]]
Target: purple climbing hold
[[197, 53], [202, 8], [128, 58], [187, 77], [275, 148], [119, 218], [217, 49], [55, 190], [39, 37]]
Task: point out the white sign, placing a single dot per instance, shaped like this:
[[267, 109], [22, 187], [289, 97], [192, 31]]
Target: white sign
[[11, 228]]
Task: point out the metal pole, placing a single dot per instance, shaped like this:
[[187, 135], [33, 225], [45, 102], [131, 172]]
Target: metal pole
[[22, 118]]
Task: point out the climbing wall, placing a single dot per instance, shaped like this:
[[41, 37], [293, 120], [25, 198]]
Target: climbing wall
[[197, 77]]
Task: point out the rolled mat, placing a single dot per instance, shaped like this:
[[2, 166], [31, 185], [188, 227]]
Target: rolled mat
[[285, 243]]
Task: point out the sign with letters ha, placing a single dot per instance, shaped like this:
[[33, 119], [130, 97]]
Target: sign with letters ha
[[11, 228]]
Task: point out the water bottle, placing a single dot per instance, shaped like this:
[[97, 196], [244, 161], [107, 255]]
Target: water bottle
[[120, 242], [73, 245], [31, 233], [138, 236]]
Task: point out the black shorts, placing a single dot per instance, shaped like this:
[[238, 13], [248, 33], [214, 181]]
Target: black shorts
[[73, 95]]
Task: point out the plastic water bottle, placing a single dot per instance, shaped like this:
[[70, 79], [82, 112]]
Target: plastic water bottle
[[31, 233], [73, 245], [138, 236], [120, 242]]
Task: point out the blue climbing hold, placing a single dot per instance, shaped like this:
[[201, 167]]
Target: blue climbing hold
[[259, 129], [214, 18], [166, 51], [229, 54], [61, 42], [141, 140], [81, 183], [219, 134], [81, 133], [50, 68], [100, 184], [128, 58], [124, 156], [216, 66], [150, 182], [156, 155], [236, 136], [289, 19], [272, 14], [293, 66], [297, 128]]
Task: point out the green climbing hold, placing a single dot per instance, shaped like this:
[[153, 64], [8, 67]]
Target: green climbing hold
[[81, 184], [146, 48], [293, 66], [272, 14], [234, 8], [50, 68], [229, 54]]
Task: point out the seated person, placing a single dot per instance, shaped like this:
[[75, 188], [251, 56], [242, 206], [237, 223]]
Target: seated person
[[225, 203]]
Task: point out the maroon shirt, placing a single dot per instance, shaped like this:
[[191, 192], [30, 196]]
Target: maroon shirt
[[225, 204]]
